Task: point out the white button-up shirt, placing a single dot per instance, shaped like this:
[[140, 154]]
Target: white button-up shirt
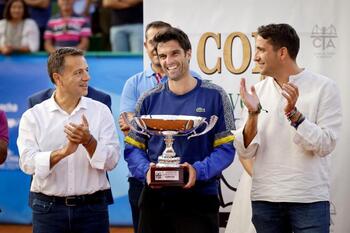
[[293, 165], [41, 131]]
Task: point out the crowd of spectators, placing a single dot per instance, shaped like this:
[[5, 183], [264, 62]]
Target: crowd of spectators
[[96, 25]]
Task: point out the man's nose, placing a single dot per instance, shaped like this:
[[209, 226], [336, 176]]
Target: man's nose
[[86, 76], [256, 57]]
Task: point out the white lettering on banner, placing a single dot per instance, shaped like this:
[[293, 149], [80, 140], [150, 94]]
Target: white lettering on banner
[[9, 107], [227, 53]]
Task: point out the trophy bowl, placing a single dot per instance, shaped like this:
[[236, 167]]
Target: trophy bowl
[[179, 123]]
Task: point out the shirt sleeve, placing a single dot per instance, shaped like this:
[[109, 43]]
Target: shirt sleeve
[[320, 136], [242, 151], [31, 159], [219, 159], [106, 154], [137, 161], [224, 152], [129, 97]]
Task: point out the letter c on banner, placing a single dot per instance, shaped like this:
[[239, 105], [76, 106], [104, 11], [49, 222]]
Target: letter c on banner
[[247, 53], [201, 53]]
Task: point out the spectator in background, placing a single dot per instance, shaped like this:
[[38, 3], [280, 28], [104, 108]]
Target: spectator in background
[[67, 29], [126, 25], [18, 33], [4, 137], [2, 6], [40, 12]]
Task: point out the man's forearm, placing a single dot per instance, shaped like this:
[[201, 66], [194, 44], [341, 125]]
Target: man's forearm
[[250, 129], [90, 146]]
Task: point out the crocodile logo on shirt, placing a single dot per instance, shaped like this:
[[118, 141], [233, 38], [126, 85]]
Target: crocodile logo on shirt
[[199, 109]]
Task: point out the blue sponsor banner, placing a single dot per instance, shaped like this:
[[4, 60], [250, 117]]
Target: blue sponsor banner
[[23, 75]]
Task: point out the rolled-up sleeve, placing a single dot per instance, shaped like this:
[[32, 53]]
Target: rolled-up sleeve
[[31, 159], [249, 151], [320, 137], [106, 155]]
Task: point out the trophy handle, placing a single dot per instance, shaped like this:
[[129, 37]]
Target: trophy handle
[[212, 122], [125, 118]]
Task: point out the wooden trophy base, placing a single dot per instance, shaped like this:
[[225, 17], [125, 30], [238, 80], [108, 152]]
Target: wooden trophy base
[[168, 176]]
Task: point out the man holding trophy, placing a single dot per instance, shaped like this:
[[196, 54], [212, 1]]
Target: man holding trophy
[[179, 144]]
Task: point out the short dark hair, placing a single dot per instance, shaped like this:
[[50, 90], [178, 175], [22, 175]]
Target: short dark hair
[[173, 34], [281, 35], [7, 14], [55, 62], [156, 24]]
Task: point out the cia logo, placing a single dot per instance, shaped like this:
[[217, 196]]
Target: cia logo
[[323, 39]]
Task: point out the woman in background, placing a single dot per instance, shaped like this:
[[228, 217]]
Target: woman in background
[[18, 33]]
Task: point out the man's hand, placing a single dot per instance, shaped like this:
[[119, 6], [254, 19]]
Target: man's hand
[[78, 133], [291, 93], [60, 154], [192, 175], [148, 176], [250, 100], [122, 124]]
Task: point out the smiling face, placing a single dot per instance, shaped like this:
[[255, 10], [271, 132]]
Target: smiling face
[[17, 10], [173, 59], [266, 57], [74, 78]]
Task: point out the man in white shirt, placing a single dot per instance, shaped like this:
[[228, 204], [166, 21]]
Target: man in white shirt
[[290, 142], [67, 143]]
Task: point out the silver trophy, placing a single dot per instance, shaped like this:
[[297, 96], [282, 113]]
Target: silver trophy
[[168, 171]]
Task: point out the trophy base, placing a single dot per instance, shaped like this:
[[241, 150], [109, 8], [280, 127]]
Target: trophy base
[[168, 176]]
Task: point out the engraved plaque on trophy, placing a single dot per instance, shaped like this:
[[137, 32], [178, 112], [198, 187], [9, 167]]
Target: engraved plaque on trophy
[[168, 171]]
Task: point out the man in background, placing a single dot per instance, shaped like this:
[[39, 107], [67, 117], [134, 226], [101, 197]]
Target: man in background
[[67, 29]]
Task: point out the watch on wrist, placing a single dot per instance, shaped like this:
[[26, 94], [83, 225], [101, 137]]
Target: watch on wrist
[[256, 112], [300, 120]]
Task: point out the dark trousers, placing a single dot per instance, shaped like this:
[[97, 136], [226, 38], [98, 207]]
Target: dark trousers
[[178, 211], [59, 216], [287, 217], [135, 189]]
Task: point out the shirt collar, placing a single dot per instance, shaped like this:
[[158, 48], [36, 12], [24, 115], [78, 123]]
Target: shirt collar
[[53, 106], [149, 71], [298, 75]]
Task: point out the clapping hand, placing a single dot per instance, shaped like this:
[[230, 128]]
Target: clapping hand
[[250, 100]]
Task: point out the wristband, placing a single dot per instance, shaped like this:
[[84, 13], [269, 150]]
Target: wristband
[[298, 122], [290, 114], [257, 111]]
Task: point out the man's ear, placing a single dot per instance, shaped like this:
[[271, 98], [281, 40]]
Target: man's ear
[[189, 54], [56, 78], [283, 53]]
